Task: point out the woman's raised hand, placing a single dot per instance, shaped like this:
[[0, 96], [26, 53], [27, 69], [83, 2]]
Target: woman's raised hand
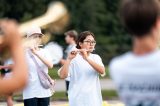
[[72, 54]]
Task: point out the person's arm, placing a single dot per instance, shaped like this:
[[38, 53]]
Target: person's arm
[[49, 64], [12, 41], [62, 61], [63, 71]]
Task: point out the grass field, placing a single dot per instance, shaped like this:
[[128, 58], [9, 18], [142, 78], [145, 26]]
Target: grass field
[[106, 94], [53, 73], [61, 96]]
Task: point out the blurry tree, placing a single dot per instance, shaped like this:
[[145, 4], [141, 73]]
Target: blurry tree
[[101, 17], [98, 16], [22, 10]]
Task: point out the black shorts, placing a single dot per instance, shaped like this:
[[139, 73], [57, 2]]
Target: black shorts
[[37, 102]]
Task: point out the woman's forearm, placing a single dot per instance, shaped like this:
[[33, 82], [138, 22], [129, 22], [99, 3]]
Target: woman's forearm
[[64, 69], [62, 61], [45, 61]]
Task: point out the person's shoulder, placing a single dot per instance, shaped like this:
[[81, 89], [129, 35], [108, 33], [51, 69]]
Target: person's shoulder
[[72, 47], [120, 59], [155, 55], [123, 56], [158, 52]]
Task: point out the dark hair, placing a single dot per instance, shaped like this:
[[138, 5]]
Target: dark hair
[[82, 36], [72, 33], [139, 16]]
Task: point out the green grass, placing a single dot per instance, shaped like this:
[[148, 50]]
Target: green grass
[[54, 75], [109, 94], [61, 96], [106, 94]]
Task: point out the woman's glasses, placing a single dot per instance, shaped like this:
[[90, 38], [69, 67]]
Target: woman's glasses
[[90, 42]]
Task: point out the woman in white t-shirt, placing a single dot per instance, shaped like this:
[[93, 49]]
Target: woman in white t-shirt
[[34, 94], [84, 68]]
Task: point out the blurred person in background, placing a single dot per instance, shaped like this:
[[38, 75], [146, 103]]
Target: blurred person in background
[[70, 38], [34, 93], [137, 72], [10, 42], [84, 68]]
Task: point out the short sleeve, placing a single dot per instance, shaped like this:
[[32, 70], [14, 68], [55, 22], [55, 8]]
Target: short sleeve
[[98, 60], [69, 49], [58, 72], [72, 48]]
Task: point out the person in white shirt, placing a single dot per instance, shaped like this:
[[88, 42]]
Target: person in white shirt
[[34, 94], [70, 38], [137, 73], [84, 68]]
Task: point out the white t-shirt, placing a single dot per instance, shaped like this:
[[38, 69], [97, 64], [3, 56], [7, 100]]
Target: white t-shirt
[[34, 87], [84, 88], [69, 49], [137, 78]]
